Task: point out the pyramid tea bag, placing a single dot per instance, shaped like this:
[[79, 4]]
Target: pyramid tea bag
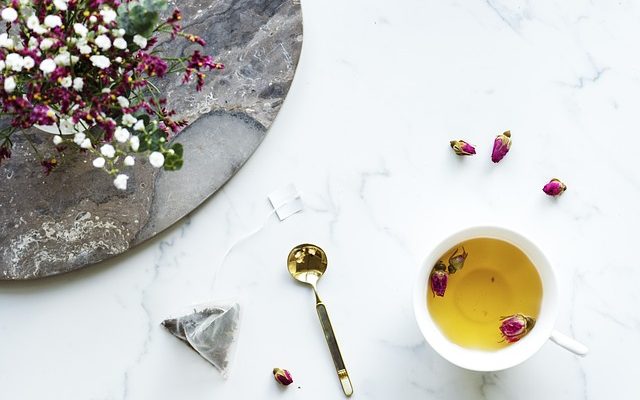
[[211, 330]]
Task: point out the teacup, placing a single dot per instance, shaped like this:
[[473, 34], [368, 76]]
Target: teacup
[[515, 353]]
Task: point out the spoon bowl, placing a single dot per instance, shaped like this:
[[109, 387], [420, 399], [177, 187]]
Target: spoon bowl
[[307, 263]]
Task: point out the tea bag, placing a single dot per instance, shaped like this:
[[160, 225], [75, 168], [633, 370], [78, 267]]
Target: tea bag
[[211, 330]]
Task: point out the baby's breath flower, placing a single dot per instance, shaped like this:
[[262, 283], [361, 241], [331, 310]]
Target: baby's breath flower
[[80, 29], [128, 120], [129, 161], [57, 139], [121, 134], [66, 81], [47, 66], [123, 101], [156, 159], [78, 138], [14, 61], [6, 41], [33, 43], [103, 42], [118, 59], [120, 43], [108, 15], [63, 58], [107, 150], [99, 162], [102, 29], [93, 19], [139, 126], [9, 84], [46, 44], [52, 21], [86, 144], [140, 40], [101, 62], [60, 4], [9, 14], [33, 22], [134, 142], [28, 62], [105, 90], [121, 181], [78, 83]]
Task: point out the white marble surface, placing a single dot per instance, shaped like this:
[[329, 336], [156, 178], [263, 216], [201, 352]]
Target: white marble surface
[[381, 88]]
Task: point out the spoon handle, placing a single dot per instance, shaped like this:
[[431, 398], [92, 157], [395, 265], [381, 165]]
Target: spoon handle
[[343, 375]]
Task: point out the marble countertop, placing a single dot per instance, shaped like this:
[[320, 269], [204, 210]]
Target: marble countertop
[[380, 90]]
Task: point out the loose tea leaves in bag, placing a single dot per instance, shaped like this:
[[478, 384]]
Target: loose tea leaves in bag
[[211, 330]]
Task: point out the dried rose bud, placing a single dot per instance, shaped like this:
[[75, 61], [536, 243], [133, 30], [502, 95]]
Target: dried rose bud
[[515, 327], [463, 148], [501, 146], [282, 376], [456, 261], [554, 188], [439, 278]]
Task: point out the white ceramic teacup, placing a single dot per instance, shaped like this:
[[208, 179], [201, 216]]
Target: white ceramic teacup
[[480, 360]]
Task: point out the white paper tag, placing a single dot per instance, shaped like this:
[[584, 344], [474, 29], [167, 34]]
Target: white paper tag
[[286, 201]]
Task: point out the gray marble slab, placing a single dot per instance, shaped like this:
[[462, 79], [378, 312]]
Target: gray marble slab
[[76, 217]]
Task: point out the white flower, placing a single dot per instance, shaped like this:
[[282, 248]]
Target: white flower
[[128, 120], [66, 81], [86, 144], [9, 14], [101, 62], [33, 22], [118, 59], [52, 21], [78, 138], [99, 162], [118, 32], [134, 142], [84, 48], [9, 84], [2, 65], [105, 90], [80, 29], [47, 66], [139, 126], [46, 44], [78, 83], [141, 41], [60, 4], [74, 59], [120, 43], [6, 41], [57, 139], [33, 42], [103, 42], [129, 161], [123, 101], [93, 19], [63, 58], [108, 15], [156, 159], [14, 61], [121, 134], [28, 62], [107, 150], [121, 181], [102, 29]]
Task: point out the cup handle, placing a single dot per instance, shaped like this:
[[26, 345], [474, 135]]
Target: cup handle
[[569, 343]]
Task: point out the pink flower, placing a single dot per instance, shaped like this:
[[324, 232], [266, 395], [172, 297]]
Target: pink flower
[[515, 327], [282, 376], [501, 146], [462, 148], [438, 279], [554, 188]]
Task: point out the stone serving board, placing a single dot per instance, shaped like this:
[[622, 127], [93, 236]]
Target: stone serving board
[[76, 217]]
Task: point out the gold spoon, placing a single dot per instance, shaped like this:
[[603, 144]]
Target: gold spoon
[[307, 263]]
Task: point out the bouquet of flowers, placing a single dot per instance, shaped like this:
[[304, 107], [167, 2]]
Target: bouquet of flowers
[[84, 69]]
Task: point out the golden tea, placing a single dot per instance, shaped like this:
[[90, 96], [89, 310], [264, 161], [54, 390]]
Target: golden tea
[[484, 280]]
